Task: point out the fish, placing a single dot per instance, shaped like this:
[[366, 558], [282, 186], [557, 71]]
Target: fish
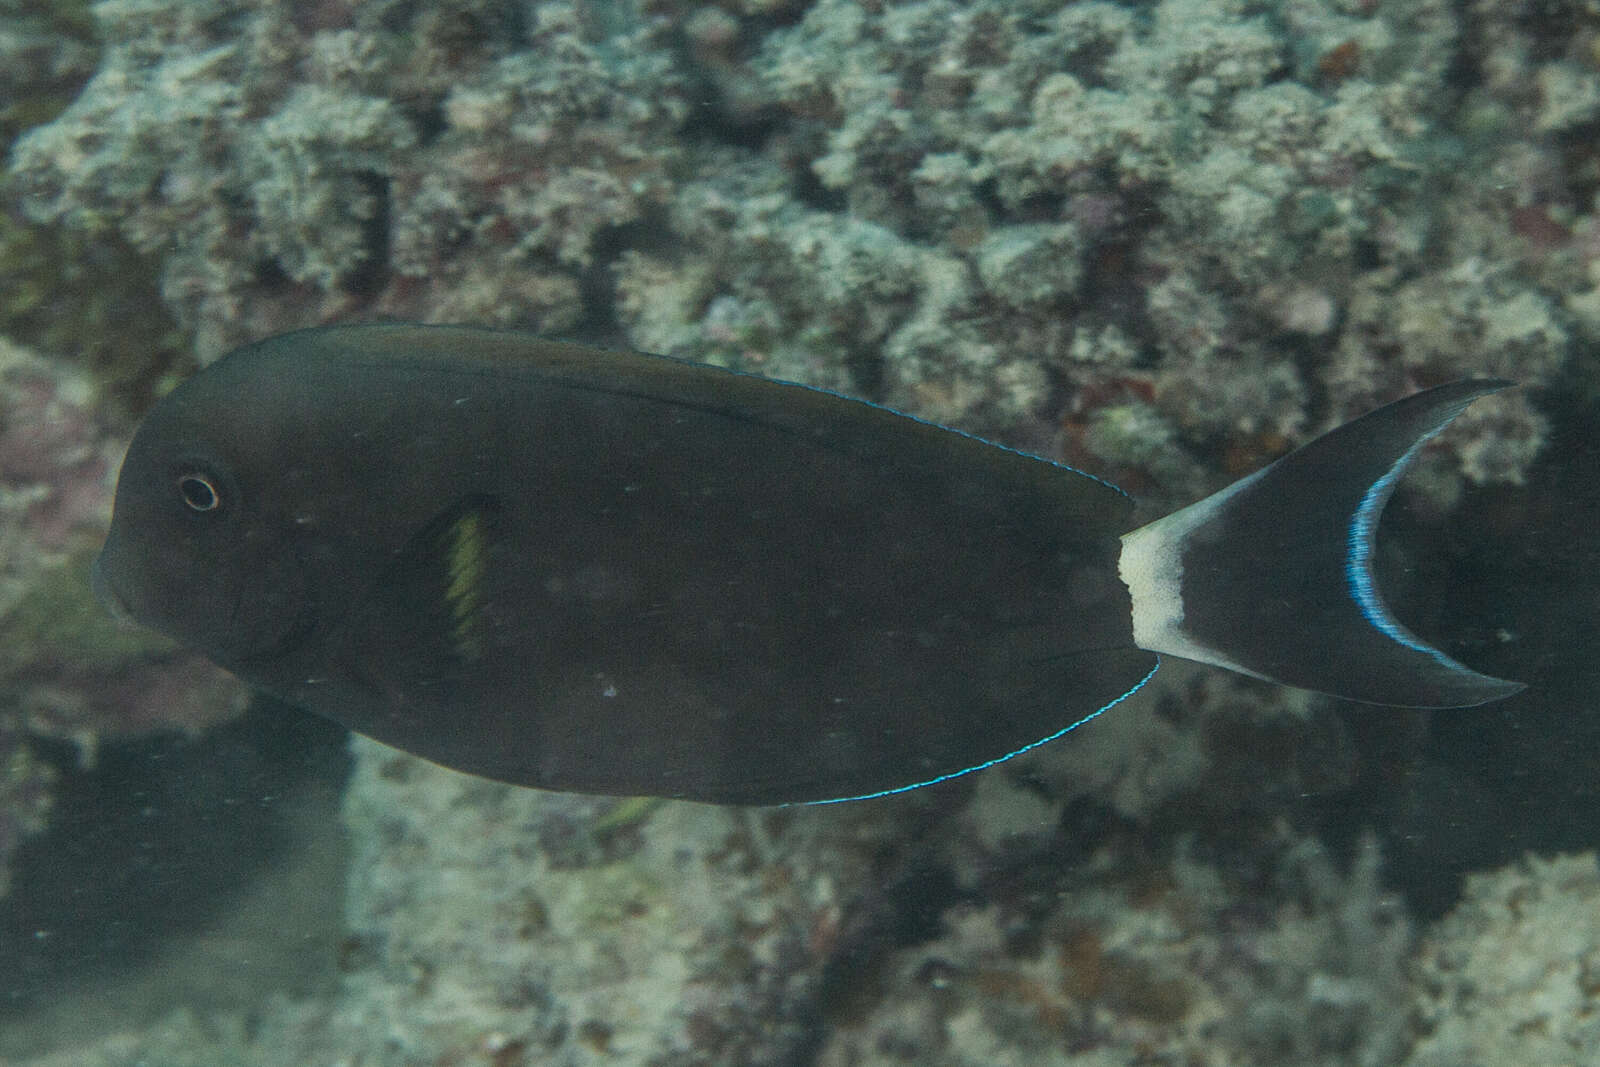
[[582, 569]]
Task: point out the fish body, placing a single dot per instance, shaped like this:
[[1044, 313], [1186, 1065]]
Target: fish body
[[608, 572]]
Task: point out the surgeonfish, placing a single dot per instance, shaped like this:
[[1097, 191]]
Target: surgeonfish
[[580, 569]]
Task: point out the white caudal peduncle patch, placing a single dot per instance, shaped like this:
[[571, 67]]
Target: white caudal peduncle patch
[[1151, 566]]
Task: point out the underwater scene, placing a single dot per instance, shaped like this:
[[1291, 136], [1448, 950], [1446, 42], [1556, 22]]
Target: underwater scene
[[496, 695]]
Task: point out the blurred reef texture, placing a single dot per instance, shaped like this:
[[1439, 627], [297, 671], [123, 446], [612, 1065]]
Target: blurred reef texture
[[1163, 240]]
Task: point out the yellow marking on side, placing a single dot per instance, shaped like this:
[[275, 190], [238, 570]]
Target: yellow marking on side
[[468, 561], [629, 811]]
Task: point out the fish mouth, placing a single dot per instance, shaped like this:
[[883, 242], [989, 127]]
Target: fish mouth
[[107, 593]]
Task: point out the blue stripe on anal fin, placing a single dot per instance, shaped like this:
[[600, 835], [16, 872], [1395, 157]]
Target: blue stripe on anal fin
[[993, 760], [1272, 576]]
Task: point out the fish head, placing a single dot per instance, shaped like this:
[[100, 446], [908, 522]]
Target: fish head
[[196, 549]]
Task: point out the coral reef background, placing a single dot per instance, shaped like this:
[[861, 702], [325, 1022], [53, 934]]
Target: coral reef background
[[1161, 240]]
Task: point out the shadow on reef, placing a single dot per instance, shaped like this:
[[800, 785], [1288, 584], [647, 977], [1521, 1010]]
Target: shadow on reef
[[155, 843], [1475, 788]]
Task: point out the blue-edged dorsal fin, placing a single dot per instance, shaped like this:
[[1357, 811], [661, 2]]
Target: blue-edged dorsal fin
[[1272, 576]]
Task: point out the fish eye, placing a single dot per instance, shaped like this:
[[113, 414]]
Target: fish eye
[[199, 492]]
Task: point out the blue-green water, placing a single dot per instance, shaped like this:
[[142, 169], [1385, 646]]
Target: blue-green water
[[1161, 242]]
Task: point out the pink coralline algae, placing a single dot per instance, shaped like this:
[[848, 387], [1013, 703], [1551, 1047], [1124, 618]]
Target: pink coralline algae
[[55, 462]]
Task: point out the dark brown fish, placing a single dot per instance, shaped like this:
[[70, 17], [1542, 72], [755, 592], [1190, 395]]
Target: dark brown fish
[[582, 569]]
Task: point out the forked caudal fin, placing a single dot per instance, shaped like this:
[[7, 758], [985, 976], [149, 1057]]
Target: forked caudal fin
[[1272, 576]]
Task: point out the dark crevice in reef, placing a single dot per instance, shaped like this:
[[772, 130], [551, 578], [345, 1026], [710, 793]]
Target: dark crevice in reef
[[155, 843]]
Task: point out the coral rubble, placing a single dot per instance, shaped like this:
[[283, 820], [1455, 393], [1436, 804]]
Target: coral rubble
[[1165, 241]]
